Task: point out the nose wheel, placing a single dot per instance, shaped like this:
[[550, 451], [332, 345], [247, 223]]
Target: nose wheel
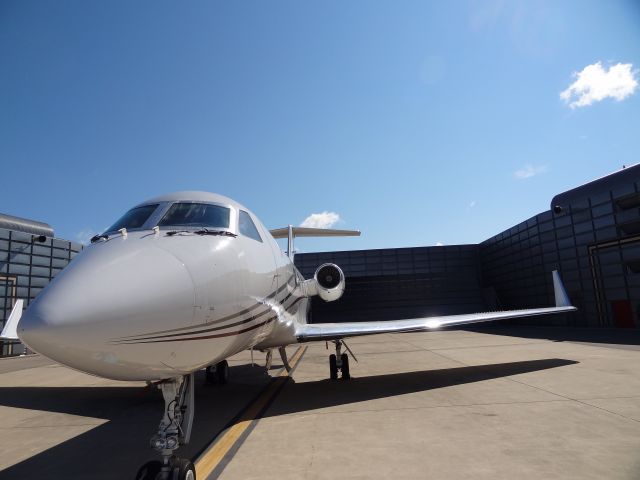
[[174, 430], [179, 469], [339, 362]]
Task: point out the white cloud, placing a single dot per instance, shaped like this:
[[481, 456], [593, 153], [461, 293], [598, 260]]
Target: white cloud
[[321, 220], [439, 244], [529, 171], [595, 83], [84, 236]]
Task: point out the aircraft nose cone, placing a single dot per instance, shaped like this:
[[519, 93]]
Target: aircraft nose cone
[[30, 329], [102, 293]]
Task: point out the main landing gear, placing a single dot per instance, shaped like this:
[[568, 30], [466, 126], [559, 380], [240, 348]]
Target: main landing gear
[[174, 430], [218, 373], [283, 356], [339, 361]]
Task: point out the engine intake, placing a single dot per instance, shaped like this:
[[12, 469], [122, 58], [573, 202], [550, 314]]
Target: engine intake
[[329, 281]]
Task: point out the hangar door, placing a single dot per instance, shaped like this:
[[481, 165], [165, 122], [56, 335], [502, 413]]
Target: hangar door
[[615, 268]]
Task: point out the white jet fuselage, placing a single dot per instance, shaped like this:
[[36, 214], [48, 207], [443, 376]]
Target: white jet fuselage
[[148, 305]]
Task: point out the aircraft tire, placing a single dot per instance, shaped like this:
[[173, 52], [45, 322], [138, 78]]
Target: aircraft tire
[[222, 372], [149, 471], [183, 469], [333, 367], [345, 366]]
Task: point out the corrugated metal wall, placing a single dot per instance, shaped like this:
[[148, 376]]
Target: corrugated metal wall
[[403, 282], [26, 267], [592, 235]]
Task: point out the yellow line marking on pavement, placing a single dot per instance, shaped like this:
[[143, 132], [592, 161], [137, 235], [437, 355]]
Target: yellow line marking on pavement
[[212, 457]]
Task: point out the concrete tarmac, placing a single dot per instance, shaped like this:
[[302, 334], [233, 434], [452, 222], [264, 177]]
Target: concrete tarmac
[[500, 403]]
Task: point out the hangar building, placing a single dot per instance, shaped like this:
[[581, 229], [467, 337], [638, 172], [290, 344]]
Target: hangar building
[[591, 234], [30, 257]]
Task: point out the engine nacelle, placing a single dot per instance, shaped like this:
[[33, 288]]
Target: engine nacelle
[[329, 282]]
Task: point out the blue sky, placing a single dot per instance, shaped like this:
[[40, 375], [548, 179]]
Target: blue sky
[[409, 120]]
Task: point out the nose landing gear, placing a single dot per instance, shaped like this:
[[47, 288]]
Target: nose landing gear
[[339, 361], [174, 430]]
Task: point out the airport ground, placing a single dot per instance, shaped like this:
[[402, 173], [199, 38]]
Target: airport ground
[[496, 403]]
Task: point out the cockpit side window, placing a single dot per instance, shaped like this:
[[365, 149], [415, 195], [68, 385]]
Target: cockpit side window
[[134, 218], [196, 215], [247, 227]]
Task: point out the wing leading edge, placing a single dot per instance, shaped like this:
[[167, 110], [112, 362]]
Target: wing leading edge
[[333, 331]]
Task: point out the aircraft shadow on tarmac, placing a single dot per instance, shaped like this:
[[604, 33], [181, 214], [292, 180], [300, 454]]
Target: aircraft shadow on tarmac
[[116, 447]]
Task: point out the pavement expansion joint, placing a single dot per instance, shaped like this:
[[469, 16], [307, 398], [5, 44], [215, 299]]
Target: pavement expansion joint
[[617, 397], [487, 346], [431, 407], [448, 358], [573, 400]]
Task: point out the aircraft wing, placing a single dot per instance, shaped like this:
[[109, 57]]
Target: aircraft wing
[[333, 331]]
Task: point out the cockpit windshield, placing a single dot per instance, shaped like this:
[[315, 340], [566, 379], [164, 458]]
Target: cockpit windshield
[[196, 215], [134, 218]]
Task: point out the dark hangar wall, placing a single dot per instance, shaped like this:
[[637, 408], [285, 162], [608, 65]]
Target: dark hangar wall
[[29, 258], [591, 235], [399, 283]]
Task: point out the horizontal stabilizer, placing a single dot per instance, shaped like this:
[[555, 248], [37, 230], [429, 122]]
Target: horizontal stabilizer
[[313, 232], [10, 330]]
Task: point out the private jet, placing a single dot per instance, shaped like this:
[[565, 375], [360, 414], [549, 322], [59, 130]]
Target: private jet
[[184, 281]]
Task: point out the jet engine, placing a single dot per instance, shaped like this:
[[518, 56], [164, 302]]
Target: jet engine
[[329, 282]]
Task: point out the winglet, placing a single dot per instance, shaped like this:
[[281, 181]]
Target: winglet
[[10, 330], [562, 299]]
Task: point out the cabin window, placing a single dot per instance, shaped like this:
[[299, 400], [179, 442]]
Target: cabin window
[[247, 227], [196, 215], [134, 218]]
